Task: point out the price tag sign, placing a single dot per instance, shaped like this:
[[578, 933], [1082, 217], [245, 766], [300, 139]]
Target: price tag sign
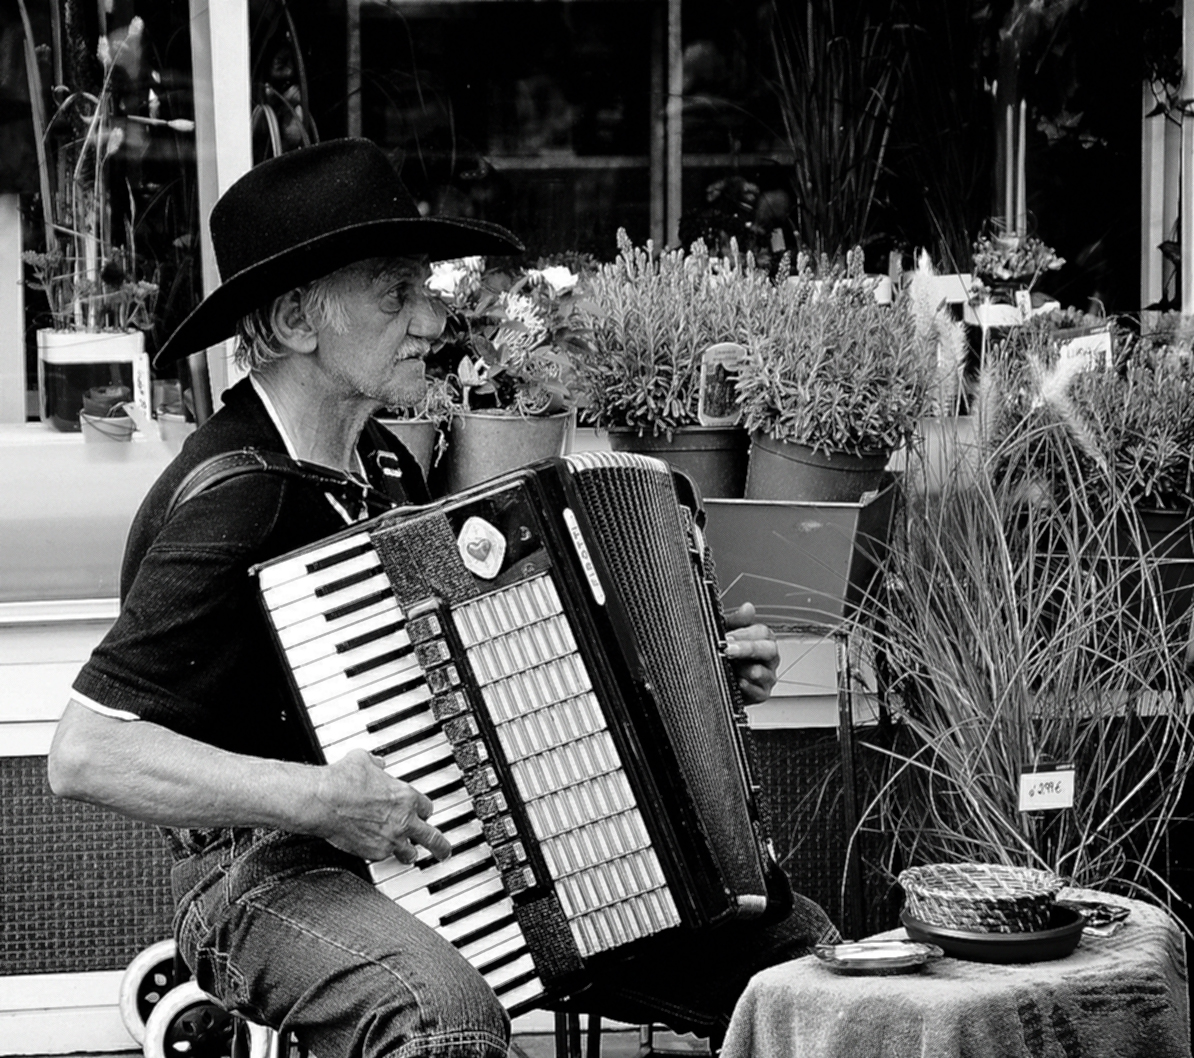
[[1047, 787]]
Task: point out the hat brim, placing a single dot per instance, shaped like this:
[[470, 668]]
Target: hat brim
[[438, 238]]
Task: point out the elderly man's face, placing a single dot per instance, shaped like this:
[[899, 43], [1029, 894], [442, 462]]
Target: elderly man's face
[[392, 320]]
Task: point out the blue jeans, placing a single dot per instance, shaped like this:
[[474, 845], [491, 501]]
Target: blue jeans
[[286, 931]]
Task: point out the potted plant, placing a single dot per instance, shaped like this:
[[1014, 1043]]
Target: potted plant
[[1008, 262], [99, 300], [1132, 422], [831, 388], [1015, 631], [421, 427], [507, 356], [657, 316]]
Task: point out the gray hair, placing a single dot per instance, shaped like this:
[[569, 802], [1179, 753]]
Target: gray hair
[[320, 302]]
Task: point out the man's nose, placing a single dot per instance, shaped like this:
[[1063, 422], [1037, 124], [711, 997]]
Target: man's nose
[[430, 317]]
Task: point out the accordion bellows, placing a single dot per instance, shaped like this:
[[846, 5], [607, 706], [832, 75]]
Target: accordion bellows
[[539, 655], [981, 897]]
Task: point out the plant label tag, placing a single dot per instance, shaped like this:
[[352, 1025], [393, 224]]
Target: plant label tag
[[1046, 788], [1092, 350], [717, 398]]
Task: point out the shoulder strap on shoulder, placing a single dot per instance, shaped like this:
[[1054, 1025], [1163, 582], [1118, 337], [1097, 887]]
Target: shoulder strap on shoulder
[[227, 465]]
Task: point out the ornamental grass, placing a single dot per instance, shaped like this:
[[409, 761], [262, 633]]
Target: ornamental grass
[[1023, 620]]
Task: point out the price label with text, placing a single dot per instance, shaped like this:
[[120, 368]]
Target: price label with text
[[1045, 788]]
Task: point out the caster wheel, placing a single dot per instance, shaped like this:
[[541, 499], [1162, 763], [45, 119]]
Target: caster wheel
[[188, 1023], [146, 980]]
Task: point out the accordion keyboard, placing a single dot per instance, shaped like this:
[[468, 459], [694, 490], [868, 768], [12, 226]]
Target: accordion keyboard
[[351, 656]]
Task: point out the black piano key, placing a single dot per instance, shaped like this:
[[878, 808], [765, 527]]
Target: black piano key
[[447, 788], [466, 939], [403, 714], [516, 982], [402, 743], [425, 859], [366, 638], [336, 559], [473, 908], [466, 816], [333, 586], [428, 769], [377, 697], [500, 961], [448, 881], [377, 662], [362, 603]]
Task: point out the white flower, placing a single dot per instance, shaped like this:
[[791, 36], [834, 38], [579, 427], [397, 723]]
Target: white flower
[[446, 276], [560, 278], [472, 372]]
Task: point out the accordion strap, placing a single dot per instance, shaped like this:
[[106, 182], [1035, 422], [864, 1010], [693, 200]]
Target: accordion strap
[[220, 468]]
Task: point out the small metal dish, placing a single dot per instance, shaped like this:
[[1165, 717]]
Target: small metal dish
[[877, 956]]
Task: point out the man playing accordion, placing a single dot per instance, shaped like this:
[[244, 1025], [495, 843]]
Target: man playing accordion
[[182, 716]]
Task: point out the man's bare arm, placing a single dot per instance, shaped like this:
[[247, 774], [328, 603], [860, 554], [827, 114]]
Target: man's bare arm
[[151, 773]]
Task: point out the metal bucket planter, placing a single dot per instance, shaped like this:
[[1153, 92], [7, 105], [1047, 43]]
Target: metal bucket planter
[[417, 437], [714, 457], [483, 445], [781, 470]]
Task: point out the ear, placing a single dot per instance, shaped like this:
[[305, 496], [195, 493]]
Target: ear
[[291, 325]]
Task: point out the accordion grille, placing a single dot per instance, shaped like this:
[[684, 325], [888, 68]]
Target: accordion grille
[[644, 542]]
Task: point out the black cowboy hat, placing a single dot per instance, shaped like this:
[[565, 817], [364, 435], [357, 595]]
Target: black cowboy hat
[[305, 214]]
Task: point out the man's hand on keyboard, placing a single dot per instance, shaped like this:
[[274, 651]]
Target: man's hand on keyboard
[[752, 650], [370, 814]]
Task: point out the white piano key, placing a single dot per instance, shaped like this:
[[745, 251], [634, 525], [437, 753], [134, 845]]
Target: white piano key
[[482, 954], [496, 978], [429, 755], [422, 878], [428, 784], [348, 704], [329, 643], [280, 595], [328, 734], [340, 660], [433, 907], [315, 606], [384, 870], [291, 568], [339, 684], [375, 742], [319, 625], [482, 928], [457, 901], [523, 996], [489, 946]]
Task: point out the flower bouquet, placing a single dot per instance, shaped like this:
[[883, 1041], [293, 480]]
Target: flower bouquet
[[511, 337]]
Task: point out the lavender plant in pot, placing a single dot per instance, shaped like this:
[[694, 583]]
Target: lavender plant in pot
[[657, 315], [831, 388]]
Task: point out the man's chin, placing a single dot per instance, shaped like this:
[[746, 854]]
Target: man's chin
[[408, 388]]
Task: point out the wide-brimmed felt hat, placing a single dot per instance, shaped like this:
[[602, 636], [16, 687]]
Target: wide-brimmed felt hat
[[303, 215]]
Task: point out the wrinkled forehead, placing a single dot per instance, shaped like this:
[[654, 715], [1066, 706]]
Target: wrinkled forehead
[[384, 271]]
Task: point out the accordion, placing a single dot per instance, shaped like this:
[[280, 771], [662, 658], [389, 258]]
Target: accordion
[[540, 656]]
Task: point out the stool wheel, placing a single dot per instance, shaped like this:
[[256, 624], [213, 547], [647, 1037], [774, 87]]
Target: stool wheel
[[146, 980], [188, 1023]]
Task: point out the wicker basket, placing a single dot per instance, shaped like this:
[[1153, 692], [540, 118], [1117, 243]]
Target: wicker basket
[[984, 897]]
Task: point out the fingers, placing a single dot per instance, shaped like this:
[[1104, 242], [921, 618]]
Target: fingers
[[756, 682], [753, 652], [431, 839], [743, 616]]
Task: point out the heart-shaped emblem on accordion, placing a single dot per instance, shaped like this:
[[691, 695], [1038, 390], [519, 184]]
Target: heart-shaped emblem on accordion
[[482, 548]]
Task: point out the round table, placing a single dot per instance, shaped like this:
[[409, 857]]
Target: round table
[[1122, 996]]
